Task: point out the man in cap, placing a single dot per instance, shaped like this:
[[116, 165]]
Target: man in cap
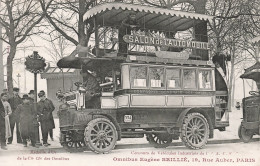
[[51, 120], [128, 24], [35, 118], [45, 109], [31, 96], [2, 126], [27, 114], [14, 101]]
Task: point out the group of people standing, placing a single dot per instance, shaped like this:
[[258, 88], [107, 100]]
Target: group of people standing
[[20, 112]]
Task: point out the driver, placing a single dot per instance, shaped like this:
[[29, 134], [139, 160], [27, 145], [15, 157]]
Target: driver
[[91, 84]]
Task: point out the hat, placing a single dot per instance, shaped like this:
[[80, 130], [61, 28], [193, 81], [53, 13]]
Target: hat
[[16, 89], [31, 92], [41, 94], [132, 13], [42, 91], [3, 94], [25, 97]]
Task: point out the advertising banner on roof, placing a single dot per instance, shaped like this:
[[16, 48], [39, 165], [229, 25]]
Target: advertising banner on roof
[[153, 41]]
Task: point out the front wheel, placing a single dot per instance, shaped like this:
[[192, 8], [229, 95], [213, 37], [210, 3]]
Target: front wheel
[[245, 134], [195, 131], [101, 135], [73, 141]]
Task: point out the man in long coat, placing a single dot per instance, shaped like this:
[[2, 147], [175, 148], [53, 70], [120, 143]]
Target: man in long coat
[[45, 109], [14, 101], [2, 126], [27, 114]]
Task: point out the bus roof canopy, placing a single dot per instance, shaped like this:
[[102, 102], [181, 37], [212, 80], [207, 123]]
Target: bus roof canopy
[[252, 72], [154, 18]]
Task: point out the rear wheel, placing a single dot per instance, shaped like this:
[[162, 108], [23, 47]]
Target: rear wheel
[[245, 134], [101, 135], [195, 131], [161, 140]]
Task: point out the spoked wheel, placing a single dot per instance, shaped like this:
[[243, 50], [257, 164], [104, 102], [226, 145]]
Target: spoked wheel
[[73, 141], [195, 131], [101, 135], [160, 140], [245, 134]]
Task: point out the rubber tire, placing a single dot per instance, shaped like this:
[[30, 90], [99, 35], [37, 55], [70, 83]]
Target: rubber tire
[[72, 147], [243, 135], [184, 137], [150, 139], [89, 129]]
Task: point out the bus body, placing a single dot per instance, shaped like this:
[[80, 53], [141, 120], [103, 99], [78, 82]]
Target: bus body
[[153, 84]]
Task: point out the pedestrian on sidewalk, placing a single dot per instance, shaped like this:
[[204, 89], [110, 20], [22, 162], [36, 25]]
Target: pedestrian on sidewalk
[[45, 109], [2, 126], [35, 118], [51, 119], [14, 101], [8, 112], [26, 112]]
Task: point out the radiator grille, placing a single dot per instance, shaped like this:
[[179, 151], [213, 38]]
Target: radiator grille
[[252, 113]]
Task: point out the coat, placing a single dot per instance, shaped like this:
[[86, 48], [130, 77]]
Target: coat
[[2, 111], [2, 123], [26, 113], [14, 101], [8, 112], [45, 109]]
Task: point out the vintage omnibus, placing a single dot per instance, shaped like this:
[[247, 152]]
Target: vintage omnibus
[[250, 124], [155, 80]]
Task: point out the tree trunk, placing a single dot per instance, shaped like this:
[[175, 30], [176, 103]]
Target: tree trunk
[[231, 76], [10, 68], [81, 27], [233, 93]]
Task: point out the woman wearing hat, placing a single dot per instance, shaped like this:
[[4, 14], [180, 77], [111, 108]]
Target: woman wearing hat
[[27, 113]]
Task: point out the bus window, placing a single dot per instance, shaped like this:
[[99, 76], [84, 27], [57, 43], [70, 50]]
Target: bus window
[[156, 77], [205, 79], [138, 75], [189, 78], [173, 78]]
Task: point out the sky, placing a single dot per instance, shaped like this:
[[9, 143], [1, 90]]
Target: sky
[[24, 50]]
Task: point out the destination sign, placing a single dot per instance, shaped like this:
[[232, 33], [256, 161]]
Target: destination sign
[[152, 41]]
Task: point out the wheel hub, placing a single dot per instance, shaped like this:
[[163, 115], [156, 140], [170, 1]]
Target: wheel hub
[[102, 135], [195, 130]]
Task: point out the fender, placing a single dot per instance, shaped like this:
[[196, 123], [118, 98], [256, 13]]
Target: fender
[[118, 128], [181, 117]]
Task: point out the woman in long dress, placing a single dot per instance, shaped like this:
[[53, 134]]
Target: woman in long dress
[[8, 112]]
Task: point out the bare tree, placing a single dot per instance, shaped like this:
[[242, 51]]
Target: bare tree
[[18, 18], [58, 46], [67, 18], [231, 33]]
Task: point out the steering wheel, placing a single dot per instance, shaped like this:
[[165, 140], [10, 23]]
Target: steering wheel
[[254, 93]]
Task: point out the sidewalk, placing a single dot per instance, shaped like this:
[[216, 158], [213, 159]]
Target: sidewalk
[[230, 133]]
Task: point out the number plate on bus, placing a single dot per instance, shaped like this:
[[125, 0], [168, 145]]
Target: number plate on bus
[[128, 118]]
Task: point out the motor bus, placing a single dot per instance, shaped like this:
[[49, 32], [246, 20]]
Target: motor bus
[[149, 75]]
